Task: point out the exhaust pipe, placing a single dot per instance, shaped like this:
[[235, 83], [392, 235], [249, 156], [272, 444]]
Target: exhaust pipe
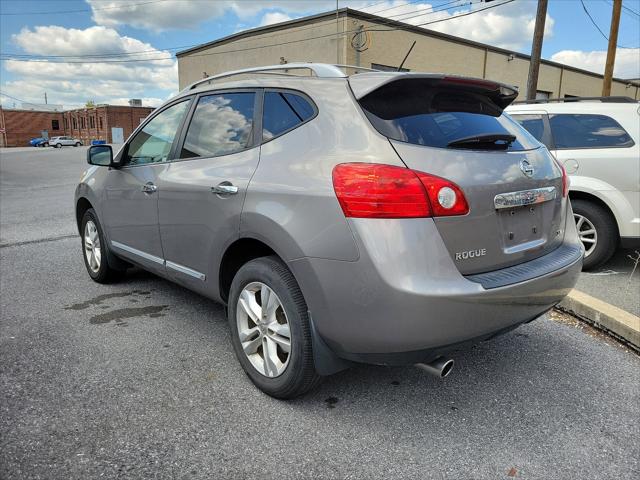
[[440, 367]]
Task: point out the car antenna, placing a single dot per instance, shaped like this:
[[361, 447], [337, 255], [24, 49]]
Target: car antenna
[[406, 56]]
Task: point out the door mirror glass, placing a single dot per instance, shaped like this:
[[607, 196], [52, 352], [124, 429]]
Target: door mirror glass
[[100, 155]]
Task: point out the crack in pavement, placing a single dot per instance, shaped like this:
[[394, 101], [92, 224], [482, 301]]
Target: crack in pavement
[[40, 240]]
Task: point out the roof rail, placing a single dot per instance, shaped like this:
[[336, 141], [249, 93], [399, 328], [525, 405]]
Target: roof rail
[[617, 99], [322, 70]]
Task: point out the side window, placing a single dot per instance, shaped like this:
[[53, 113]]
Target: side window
[[221, 124], [153, 143], [283, 111], [587, 131], [533, 123]]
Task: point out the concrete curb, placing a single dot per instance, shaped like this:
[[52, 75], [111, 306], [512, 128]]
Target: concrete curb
[[617, 322]]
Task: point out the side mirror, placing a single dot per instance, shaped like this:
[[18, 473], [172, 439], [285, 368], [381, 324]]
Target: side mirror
[[100, 155]]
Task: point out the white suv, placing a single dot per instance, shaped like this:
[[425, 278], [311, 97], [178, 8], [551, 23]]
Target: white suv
[[597, 141], [58, 142]]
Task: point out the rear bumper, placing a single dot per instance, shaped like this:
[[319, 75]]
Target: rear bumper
[[404, 299]]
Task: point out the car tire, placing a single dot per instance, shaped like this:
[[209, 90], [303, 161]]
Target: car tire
[[46, 144], [58, 145], [289, 316], [92, 237], [598, 232], [77, 144]]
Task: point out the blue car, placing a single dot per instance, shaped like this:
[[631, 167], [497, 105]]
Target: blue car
[[39, 142]]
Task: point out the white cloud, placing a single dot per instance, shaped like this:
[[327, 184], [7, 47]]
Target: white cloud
[[180, 14], [146, 101], [627, 63], [274, 17], [501, 26], [104, 81]]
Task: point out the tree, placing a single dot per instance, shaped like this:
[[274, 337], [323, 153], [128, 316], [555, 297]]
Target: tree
[[90, 104]]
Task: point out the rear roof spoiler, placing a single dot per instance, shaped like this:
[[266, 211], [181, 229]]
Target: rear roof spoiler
[[501, 94]]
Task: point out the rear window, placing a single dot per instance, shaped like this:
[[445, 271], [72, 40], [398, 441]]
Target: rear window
[[435, 117], [221, 124], [533, 123], [587, 131]]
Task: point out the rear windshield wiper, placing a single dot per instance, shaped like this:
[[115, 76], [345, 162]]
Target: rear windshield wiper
[[487, 141]]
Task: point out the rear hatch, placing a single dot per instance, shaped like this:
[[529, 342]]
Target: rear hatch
[[454, 128]]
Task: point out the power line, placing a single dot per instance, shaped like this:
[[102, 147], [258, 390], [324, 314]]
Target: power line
[[471, 12], [584, 7], [57, 12], [630, 10], [433, 9]]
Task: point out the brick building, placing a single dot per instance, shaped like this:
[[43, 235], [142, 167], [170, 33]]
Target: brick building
[[22, 125], [112, 123]]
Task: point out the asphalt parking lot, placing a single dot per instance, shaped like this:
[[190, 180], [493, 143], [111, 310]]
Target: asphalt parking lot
[[138, 380]]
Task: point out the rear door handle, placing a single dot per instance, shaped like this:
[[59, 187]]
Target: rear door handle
[[224, 188], [149, 187]]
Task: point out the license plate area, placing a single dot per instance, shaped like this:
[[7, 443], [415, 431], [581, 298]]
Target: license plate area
[[523, 227]]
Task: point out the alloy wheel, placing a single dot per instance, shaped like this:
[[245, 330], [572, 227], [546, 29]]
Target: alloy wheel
[[92, 250], [587, 233], [263, 329]]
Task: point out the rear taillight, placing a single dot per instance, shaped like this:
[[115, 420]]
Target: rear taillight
[[565, 178], [446, 197], [370, 190]]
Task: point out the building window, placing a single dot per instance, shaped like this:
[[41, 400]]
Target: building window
[[55, 124], [92, 122], [100, 121], [83, 122], [65, 122], [387, 68], [75, 123]]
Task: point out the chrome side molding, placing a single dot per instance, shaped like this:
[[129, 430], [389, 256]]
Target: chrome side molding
[[139, 253], [186, 270], [524, 197], [152, 258]]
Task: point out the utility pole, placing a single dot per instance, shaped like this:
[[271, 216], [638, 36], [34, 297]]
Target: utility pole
[[45, 98], [611, 51], [536, 50], [338, 32]]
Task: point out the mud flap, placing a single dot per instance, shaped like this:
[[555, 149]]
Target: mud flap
[[325, 360]]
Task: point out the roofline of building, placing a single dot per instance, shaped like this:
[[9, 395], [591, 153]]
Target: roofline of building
[[267, 28], [11, 109], [394, 23]]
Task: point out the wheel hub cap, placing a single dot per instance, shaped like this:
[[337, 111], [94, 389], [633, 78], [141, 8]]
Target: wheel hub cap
[[587, 233], [92, 250], [263, 329]]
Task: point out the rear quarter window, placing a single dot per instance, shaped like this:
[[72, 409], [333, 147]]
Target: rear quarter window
[[284, 111], [435, 117], [588, 131]]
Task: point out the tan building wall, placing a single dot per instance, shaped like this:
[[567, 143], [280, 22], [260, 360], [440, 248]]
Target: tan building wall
[[434, 52], [254, 50]]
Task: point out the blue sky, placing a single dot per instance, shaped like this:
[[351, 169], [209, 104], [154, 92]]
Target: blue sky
[[57, 31]]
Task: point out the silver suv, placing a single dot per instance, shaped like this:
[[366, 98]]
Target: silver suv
[[59, 142], [378, 217]]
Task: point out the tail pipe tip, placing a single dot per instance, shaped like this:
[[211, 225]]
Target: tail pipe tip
[[440, 367]]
